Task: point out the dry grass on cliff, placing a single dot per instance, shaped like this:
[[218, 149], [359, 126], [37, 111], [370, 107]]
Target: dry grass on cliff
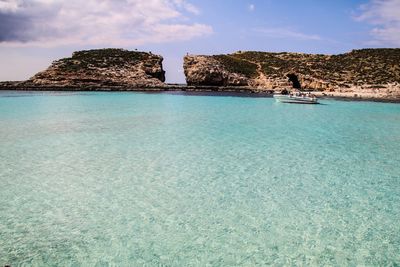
[[237, 65], [100, 58], [371, 66]]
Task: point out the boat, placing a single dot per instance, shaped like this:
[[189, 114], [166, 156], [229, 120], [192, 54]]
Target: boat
[[297, 98]]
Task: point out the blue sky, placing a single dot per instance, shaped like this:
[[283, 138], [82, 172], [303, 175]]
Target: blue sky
[[35, 32]]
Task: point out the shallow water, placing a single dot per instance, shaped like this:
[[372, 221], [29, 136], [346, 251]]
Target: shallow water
[[133, 179]]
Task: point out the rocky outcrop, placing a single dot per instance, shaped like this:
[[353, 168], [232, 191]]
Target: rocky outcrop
[[207, 70], [102, 68], [376, 71]]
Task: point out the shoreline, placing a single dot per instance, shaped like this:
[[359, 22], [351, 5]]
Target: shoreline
[[240, 91]]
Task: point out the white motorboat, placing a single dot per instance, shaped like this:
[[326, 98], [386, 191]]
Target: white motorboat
[[297, 98]]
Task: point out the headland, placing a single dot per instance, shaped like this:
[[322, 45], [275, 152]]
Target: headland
[[366, 74]]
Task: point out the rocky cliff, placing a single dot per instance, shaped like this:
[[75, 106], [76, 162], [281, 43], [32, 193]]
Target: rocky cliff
[[102, 68], [376, 71]]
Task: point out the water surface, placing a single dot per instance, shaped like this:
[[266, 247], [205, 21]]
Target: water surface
[[133, 179]]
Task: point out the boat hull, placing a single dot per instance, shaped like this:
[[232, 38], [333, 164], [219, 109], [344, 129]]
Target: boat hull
[[296, 99]]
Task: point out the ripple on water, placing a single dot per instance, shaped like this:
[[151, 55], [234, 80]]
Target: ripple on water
[[158, 179]]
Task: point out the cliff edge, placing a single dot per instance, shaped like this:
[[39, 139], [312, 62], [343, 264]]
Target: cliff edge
[[374, 71], [102, 68]]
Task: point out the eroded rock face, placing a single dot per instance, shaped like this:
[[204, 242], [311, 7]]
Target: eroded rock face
[[206, 70], [103, 67], [375, 70]]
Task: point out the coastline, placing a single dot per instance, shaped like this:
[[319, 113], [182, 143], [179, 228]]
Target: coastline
[[240, 91], [356, 96]]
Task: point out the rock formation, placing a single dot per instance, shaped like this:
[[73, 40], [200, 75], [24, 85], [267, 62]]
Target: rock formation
[[208, 70], [374, 71], [102, 68], [365, 73]]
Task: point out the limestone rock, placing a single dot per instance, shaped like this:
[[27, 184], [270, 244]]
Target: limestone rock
[[375, 70], [206, 70], [103, 67], [203, 70]]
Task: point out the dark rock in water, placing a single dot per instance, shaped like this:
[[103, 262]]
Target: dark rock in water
[[101, 68]]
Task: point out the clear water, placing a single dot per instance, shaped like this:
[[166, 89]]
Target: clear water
[[131, 179]]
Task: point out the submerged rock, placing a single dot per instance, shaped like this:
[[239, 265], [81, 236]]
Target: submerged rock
[[101, 68]]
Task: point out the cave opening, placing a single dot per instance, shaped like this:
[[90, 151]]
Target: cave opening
[[294, 80]]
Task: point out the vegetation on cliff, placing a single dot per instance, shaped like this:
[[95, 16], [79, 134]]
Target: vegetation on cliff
[[367, 68], [372, 66], [100, 58], [238, 65], [104, 67]]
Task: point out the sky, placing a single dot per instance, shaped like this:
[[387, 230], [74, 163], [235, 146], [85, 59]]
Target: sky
[[33, 33]]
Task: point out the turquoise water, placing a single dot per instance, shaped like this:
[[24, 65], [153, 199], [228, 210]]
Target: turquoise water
[[132, 179]]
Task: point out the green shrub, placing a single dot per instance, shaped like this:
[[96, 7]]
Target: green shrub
[[367, 65], [236, 65]]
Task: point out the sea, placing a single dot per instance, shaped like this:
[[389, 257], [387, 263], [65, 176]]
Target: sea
[[167, 179]]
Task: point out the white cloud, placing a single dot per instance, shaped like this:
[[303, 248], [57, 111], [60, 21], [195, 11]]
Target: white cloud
[[8, 5], [384, 15], [252, 7], [187, 6], [286, 33], [93, 22]]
